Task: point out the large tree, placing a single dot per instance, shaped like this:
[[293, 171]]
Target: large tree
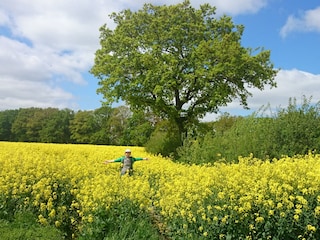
[[178, 61]]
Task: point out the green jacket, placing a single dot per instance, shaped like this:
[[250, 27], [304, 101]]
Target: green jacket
[[127, 166], [120, 159]]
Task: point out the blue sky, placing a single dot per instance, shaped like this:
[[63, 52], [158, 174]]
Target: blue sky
[[47, 48]]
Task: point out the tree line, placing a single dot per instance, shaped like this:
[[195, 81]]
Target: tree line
[[265, 135], [105, 125]]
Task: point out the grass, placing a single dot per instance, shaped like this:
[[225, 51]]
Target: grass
[[125, 222], [25, 227]]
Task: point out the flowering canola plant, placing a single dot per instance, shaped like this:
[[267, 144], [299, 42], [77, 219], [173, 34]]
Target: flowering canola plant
[[68, 186]]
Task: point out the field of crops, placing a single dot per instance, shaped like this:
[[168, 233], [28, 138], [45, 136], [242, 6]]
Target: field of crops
[[67, 186]]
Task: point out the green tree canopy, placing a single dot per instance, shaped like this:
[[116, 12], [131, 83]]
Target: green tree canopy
[[7, 118], [117, 124], [27, 124], [55, 125], [83, 127], [178, 61], [138, 129]]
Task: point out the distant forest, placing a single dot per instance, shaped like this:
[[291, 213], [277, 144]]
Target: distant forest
[[105, 125]]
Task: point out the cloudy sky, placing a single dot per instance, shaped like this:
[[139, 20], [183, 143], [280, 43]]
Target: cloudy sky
[[47, 48]]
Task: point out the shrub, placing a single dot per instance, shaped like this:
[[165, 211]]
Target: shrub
[[291, 131]]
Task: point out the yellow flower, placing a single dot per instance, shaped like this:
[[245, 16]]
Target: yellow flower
[[302, 200], [182, 212], [241, 210], [298, 211], [42, 220], [52, 214], [73, 221], [311, 228], [43, 206], [221, 236], [90, 218], [317, 211], [259, 219], [221, 195], [224, 219], [57, 223]]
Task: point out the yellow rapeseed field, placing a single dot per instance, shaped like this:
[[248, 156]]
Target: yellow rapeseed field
[[66, 185]]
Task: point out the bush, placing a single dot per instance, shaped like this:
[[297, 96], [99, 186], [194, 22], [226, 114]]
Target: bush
[[291, 131], [297, 129]]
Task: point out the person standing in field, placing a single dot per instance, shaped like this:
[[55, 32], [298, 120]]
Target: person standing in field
[[127, 162]]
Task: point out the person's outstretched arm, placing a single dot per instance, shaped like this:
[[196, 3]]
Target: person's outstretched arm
[[108, 161], [140, 158], [113, 160]]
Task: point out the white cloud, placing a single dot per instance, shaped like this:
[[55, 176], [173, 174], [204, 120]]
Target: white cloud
[[3, 18], [51, 43], [30, 76], [23, 94], [309, 21], [238, 7], [20, 62], [290, 84]]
